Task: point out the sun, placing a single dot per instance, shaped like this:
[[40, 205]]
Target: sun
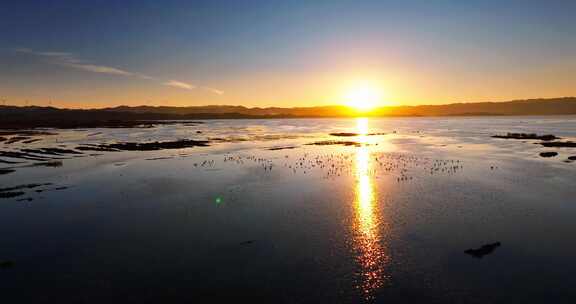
[[363, 97]]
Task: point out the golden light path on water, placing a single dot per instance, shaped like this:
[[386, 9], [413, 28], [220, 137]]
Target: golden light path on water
[[371, 255]]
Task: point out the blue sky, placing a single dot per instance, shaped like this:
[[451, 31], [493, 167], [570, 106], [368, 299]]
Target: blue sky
[[282, 53]]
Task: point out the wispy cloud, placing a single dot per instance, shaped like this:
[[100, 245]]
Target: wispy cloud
[[213, 90], [179, 84], [69, 60], [98, 69]]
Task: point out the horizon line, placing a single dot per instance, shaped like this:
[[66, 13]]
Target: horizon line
[[279, 107]]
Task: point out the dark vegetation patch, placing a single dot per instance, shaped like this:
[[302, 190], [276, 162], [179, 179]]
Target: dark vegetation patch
[[52, 189], [15, 139], [482, 251], [44, 157], [24, 136], [534, 136], [20, 190], [335, 142], [151, 146], [160, 158], [26, 186], [344, 134], [11, 194], [559, 144], [2, 161], [282, 148], [52, 151], [61, 151], [6, 171], [548, 154], [93, 147], [350, 134], [50, 157], [21, 155], [51, 164], [40, 151], [4, 264], [547, 141]]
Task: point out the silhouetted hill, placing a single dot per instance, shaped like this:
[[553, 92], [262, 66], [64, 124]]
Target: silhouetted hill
[[20, 117], [553, 106]]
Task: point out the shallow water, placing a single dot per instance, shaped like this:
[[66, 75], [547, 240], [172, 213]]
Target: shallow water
[[385, 220]]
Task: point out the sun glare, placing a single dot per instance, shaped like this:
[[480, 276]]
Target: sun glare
[[363, 97]]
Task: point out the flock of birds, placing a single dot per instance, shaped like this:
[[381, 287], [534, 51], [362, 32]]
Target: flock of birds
[[332, 165], [403, 166]]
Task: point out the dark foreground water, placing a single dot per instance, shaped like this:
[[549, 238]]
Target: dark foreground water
[[280, 211]]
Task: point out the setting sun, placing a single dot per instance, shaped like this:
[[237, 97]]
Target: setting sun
[[363, 97]]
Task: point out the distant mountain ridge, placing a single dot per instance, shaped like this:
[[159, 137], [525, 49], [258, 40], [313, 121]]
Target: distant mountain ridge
[[549, 106], [13, 116]]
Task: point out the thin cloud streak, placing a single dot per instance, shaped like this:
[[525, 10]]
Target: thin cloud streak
[[68, 60], [179, 84], [98, 69], [212, 90]]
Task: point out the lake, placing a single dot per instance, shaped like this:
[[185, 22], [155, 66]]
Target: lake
[[281, 211]]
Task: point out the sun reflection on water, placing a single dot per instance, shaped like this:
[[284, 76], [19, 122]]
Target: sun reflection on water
[[371, 255]]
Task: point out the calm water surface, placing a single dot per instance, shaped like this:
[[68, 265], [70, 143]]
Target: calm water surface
[[267, 214]]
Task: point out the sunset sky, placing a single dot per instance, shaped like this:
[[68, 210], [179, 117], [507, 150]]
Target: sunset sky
[[284, 53]]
